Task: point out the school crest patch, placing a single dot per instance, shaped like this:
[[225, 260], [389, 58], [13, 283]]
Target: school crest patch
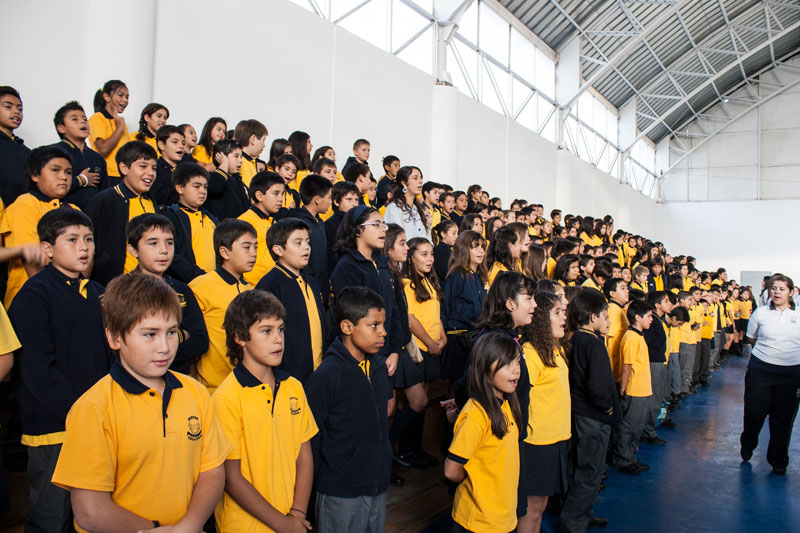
[[195, 429], [294, 405]]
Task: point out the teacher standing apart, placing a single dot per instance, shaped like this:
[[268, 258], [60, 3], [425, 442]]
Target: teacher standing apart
[[772, 382]]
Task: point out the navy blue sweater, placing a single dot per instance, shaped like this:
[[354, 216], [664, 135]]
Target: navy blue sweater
[[591, 382], [163, 191], [184, 265], [441, 258], [64, 350], [192, 321], [352, 454], [656, 339], [355, 270], [464, 294], [227, 195], [331, 228], [13, 154], [81, 160], [298, 356], [317, 267]]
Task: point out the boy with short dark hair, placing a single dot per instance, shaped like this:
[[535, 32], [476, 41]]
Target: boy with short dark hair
[[266, 197], [286, 166], [361, 150], [391, 165], [251, 135], [13, 152], [270, 469], [58, 319], [349, 395], [288, 243], [315, 191], [325, 168], [89, 173], [430, 198], [151, 240], [344, 197], [111, 209], [635, 389], [194, 226], [358, 173], [49, 172], [616, 292], [171, 144], [656, 337], [235, 246], [140, 419], [227, 194]]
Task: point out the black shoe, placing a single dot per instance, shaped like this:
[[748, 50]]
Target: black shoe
[[412, 461], [602, 487], [779, 471], [396, 480], [746, 454], [669, 423], [683, 395], [630, 469], [424, 457], [597, 523], [641, 466], [655, 441], [400, 461]]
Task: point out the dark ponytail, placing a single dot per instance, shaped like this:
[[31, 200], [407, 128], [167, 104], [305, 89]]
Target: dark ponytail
[[109, 87]]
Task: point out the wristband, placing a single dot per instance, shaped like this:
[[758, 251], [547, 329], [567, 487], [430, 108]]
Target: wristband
[[298, 510]]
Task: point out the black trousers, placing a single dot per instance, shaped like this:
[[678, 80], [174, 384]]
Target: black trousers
[[49, 507], [770, 390], [702, 357]]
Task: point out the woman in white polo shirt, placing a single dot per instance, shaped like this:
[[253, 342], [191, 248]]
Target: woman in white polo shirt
[[772, 381]]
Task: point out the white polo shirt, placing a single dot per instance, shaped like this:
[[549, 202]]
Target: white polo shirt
[[777, 335]]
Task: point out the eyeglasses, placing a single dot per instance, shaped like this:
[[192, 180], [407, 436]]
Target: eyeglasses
[[375, 224]]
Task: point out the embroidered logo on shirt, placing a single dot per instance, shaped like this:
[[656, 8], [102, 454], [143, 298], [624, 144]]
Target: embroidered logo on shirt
[[195, 430], [294, 405]]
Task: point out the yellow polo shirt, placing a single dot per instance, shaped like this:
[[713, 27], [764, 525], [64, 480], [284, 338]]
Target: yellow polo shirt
[[746, 309], [202, 228], [497, 267], [551, 267], [697, 314], [264, 262], [426, 312], [266, 428], [633, 349], [137, 205], [144, 447], [101, 126], [8, 339], [214, 292], [149, 140], [619, 325], [486, 500], [590, 283], [201, 155], [549, 412], [248, 169]]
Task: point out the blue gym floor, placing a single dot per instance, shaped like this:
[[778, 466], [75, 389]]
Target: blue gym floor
[[697, 482]]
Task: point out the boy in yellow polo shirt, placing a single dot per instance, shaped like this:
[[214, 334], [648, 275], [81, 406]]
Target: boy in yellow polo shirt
[[266, 196], [142, 447], [616, 292], [235, 246], [270, 469], [252, 136], [635, 388]]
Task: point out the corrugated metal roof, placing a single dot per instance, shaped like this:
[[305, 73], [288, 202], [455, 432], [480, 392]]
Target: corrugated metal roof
[[722, 31]]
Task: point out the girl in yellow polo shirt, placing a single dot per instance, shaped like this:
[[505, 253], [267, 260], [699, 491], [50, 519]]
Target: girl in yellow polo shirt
[[545, 470], [567, 270], [504, 252], [152, 118], [484, 455], [107, 129], [214, 130]]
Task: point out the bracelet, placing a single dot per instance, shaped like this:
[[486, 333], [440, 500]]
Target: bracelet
[[298, 510], [84, 181]]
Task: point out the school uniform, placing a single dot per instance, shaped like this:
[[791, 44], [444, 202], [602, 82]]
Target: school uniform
[[83, 159], [636, 401], [456, 217], [643, 287], [201, 155], [147, 449], [189, 350], [13, 155], [147, 138], [673, 385], [657, 283], [407, 373], [214, 292], [353, 269], [656, 338], [266, 441], [618, 326], [261, 221], [102, 126], [486, 500], [18, 227], [441, 258], [464, 293], [163, 190], [194, 242], [590, 283], [110, 211], [317, 267], [249, 168], [331, 228], [352, 454], [428, 313], [227, 195], [59, 323], [291, 199], [551, 267], [303, 347], [546, 471], [495, 269], [8, 338], [294, 185], [686, 355], [384, 183]]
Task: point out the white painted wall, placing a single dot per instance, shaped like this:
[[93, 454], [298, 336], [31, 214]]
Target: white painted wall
[[285, 66]]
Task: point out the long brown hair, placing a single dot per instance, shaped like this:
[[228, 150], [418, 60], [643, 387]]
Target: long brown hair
[[491, 348], [459, 259], [539, 333], [535, 262], [392, 232], [421, 293]]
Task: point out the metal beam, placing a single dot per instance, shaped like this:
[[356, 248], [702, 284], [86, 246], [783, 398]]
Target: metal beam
[[713, 80]]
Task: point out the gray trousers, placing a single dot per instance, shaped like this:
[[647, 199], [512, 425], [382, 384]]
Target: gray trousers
[[686, 359], [658, 376], [626, 441], [49, 507], [362, 514], [702, 357], [588, 454], [719, 342], [673, 385]]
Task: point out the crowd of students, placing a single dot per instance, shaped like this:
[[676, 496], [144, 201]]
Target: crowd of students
[[195, 330]]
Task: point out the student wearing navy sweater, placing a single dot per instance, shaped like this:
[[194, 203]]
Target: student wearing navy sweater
[[315, 192], [349, 395], [344, 197], [58, 319]]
